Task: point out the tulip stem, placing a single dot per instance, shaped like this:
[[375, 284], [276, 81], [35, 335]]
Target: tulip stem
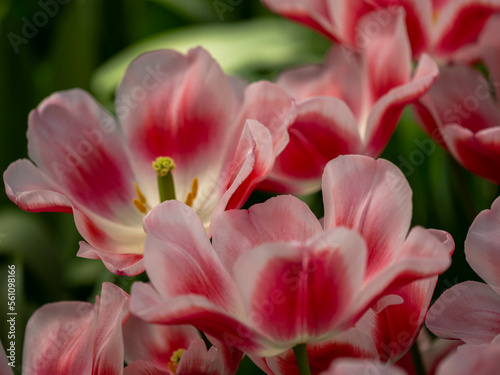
[[302, 360], [418, 364]]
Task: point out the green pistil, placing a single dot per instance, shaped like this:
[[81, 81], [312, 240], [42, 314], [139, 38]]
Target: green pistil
[[300, 352], [163, 167]]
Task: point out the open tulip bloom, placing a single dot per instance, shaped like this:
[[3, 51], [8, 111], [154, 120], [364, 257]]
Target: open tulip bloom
[[273, 277], [183, 134]]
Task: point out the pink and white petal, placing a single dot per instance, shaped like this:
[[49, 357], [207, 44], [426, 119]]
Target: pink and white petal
[[181, 260], [313, 13], [113, 311], [472, 359], [362, 367], [252, 163], [178, 106], [482, 248], [270, 105], [119, 264], [422, 255], [324, 129], [196, 310], [469, 311], [5, 368], [230, 355], [78, 145], [418, 21], [280, 219], [197, 360], [346, 15], [479, 152], [397, 326], [155, 343], [298, 293], [448, 37], [387, 55], [352, 343], [385, 114], [144, 368], [60, 338], [461, 96], [371, 197], [32, 190], [340, 76]]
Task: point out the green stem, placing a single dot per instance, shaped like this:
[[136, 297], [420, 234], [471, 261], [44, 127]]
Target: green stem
[[302, 360], [166, 187], [418, 364]]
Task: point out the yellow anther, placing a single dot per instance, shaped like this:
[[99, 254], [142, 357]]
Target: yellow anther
[[189, 199], [194, 187], [163, 165], [175, 359], [140, 206], [140, 202], [141, 196], [193, 193]]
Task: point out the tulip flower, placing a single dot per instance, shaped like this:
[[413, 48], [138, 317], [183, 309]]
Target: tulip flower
[[470, 311], [434, 26], [350, 104], [273, 278], [183, 134], [81, 338]]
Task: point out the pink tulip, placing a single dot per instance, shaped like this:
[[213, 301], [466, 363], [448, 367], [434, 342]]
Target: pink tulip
[[273, 277], [460, 113], [77, 337], [350, 104], [168, 105], [470, 311], [384, 335], [434, 26], [81, 338]]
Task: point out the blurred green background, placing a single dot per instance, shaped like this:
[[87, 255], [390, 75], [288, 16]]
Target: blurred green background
[[89, 43]]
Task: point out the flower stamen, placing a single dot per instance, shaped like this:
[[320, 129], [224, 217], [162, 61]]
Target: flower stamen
[[175, 359], [193, 193], [140, 202], [163, 167]]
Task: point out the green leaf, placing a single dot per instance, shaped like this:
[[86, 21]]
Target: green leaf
[[259, 44]]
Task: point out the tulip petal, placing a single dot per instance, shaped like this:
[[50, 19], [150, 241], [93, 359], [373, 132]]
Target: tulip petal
[[144, 368], [382, 215], [59, 339], [5, 368], [280, 219], [362, 367], [180, 260], [481, 245], [474, 13], [324, 129], [469, 311], [385, 114], [295, 292]]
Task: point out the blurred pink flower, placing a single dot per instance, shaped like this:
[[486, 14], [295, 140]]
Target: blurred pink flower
[[273, 277], [438, 27], [350, 104], [81, 338], [168, 105], [470, 311]]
